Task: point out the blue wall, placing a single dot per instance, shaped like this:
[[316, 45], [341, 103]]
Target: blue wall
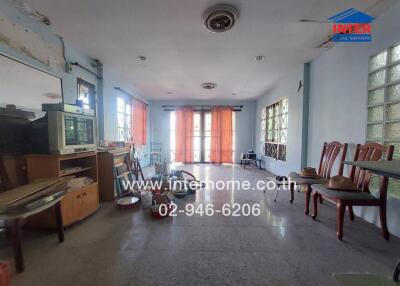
[[106, 94], [338, 99], [160, 120], [69, 80], [286, 88]]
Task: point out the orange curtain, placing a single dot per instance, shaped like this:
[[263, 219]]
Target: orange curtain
[[184, 135], [221, 135], [139, 122]]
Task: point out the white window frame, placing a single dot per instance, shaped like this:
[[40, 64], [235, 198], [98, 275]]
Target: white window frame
[[127, 117], [276, 120]]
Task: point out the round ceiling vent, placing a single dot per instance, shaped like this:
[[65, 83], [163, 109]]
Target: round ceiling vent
[[209, 85], [220, 18]]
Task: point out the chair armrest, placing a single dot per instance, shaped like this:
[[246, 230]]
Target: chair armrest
[[396, 273]]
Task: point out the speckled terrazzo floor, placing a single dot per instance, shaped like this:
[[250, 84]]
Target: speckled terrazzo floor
[[280, 247]]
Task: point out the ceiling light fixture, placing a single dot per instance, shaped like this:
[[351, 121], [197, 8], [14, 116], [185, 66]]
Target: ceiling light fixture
[[260, 58], [209, 85], [220, 18], [142, 58]]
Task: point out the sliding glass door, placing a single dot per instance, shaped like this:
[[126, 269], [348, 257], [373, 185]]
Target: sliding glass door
[[201, 136], [197, 137], [207, 136]]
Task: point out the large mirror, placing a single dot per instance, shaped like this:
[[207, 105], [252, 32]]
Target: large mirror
[[27, 88]]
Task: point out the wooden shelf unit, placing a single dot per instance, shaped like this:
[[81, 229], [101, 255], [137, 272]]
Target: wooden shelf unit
[[107, 160], [78, 203]]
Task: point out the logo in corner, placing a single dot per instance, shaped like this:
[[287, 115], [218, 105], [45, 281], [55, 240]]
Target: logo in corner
[[351, 25]]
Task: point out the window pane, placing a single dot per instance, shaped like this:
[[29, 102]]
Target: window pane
[[283, 136], [284, 121], [392, 131], [376, 96], [374, 132], [172, 135], [128, 122], [121, 134], [269, 136], [128, 109], [196, 155], [128, 134], [393, 111], [270, 111], [207, 143], [207, 155], [120, 117], [172, 120], [378, 61], [376, 78], [172, 140], [207, 119], [270, 122], [120, 105], [276, 109], [395, 54], [196, 122], [196, 143], [393, 92], [375, 114], [264, 113], [285, 105], [394, 73]]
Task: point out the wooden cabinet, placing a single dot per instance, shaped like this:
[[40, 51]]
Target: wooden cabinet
[[107, 160], [77, 203]]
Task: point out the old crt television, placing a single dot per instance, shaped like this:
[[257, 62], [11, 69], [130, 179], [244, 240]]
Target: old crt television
[[60, 132]]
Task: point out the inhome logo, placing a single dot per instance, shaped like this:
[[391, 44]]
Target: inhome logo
[[351, 25]]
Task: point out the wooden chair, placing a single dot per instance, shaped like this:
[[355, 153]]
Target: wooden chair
[[362, 197], [4, 180], [330, 152]]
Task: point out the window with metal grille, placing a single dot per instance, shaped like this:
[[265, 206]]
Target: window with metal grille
[[274, 130]]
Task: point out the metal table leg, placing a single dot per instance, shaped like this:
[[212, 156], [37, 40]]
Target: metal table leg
[[276, 193]]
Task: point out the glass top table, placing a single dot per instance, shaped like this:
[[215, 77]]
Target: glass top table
[[389, 169]]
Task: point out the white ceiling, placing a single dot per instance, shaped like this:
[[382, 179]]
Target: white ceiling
[[182, 54]]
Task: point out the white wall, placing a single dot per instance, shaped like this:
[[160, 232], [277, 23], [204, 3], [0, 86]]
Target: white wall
[[160, 120], [286, 87], [338, 99]]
